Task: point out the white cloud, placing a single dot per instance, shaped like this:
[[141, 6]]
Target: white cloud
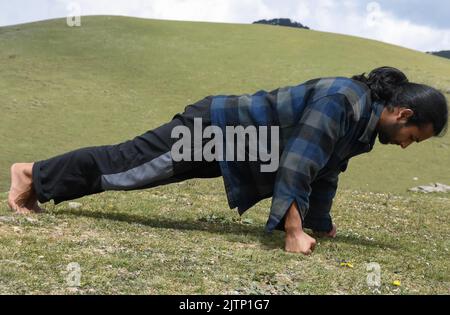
[[347, 17], [374, 22]]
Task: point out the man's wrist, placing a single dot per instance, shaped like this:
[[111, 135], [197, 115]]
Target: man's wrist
[[293, 221], [292, 227]]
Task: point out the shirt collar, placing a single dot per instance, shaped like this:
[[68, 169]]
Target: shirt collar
[[369, 132]]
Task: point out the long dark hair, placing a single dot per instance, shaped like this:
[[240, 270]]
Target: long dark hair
[[391, 86]]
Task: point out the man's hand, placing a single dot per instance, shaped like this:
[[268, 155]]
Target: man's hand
[[296, 240], [299, 243]]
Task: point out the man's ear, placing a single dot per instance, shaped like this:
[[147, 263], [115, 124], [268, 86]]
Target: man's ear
[[404, 114]]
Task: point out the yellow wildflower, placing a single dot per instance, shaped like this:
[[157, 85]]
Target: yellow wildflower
[[347, 264]]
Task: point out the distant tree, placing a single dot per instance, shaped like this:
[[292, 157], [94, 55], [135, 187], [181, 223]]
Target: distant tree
[[282, 22], [443, 53]]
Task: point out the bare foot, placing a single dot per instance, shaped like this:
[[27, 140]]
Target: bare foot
[[299, 242], [22, 197], [331, 234]]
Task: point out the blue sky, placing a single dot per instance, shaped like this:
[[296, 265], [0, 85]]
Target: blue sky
[[421, 25]]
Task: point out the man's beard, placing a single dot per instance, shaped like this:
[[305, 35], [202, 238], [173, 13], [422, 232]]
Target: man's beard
[[383, 138], [386, 134]]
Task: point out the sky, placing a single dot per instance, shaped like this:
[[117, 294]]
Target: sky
[[421, 25]]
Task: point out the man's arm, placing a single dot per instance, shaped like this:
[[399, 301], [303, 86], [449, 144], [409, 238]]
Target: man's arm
[[296, 240], [320, 202], [308, 150]]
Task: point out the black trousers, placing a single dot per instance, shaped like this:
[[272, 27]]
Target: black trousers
[[140, 163]]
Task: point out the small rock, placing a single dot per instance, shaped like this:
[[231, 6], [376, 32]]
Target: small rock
[[6, 219], [72, 289], [17, 229], [433, 187], [74, 205]]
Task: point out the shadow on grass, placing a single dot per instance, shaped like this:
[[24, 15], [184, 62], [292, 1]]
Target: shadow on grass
[[235, 231]]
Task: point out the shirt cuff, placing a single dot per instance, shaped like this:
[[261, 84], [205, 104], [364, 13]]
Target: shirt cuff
[[276, 219]]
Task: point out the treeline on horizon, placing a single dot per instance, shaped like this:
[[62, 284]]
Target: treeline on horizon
[[443, 53], [288, 22], [282, 22]]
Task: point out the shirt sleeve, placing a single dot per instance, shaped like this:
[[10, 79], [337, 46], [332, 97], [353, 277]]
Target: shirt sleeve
[[320, 201], [307, 151]]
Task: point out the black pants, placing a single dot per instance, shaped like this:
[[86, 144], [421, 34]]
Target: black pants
[[140, 163]]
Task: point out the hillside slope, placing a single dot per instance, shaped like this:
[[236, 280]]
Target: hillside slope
[[116, 77], [113, 78]]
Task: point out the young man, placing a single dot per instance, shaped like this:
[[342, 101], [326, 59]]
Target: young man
[[312, 130]]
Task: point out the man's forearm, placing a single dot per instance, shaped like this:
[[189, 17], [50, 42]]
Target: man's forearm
[[293, 221], [297, 241]]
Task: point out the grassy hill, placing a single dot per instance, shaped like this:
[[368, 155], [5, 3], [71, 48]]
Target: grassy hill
[[113, 78]]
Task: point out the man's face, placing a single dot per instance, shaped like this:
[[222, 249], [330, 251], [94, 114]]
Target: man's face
[[393, 129]]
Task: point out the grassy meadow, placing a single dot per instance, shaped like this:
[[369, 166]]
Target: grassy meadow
[[113, 78]]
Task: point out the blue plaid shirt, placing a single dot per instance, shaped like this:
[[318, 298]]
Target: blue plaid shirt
[[322, 124]]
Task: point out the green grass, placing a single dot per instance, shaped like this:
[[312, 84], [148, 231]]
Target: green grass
[[174, 240], [113, 78]]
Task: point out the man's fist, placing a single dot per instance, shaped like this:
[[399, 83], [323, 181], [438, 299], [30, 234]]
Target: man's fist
[[299, 242]]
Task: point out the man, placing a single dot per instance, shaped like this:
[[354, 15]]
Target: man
[[315, 128]]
